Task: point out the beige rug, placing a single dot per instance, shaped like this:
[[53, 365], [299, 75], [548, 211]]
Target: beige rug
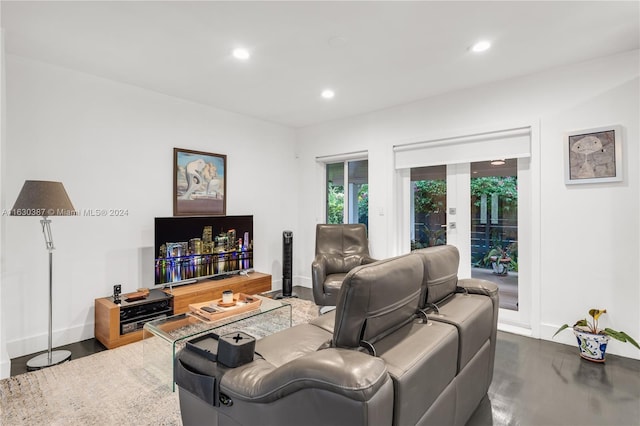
[[108, 388]]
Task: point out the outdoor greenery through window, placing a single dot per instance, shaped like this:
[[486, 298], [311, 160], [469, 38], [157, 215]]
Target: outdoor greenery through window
[[494, 222], [429, 186], [348, 202], [494, 226]]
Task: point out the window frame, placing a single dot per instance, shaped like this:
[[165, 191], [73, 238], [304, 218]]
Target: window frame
[[334, 159]]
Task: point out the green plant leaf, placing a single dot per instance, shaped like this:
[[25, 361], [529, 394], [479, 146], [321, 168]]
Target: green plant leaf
[[581, 323], [630, 340], [621, 336], [595, 313], [564, 326], [615, 334]]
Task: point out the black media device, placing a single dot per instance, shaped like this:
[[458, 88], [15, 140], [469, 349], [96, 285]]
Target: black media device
[[133, 315], [117, 291]]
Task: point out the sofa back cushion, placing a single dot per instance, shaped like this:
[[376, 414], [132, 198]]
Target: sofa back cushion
[[440, 272], [376, 299], [342, 245]]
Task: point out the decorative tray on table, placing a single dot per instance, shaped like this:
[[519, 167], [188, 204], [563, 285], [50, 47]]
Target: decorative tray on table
[[214, 310]]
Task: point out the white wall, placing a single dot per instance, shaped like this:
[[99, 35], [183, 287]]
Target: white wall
[[5, 365], [112, 147], [588, 245], [111, 144]]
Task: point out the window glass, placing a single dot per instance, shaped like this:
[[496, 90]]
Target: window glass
[[429, 206], [494, 226], [335, 193], [348, 202]]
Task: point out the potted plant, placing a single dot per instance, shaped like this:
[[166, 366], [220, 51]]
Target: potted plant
[[592, 340], [500, 260]]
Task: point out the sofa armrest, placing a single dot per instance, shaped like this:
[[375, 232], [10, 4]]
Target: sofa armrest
[[489, 289], [476, 286], [318, 275], [354, 375], [366, 259], [484, 288]]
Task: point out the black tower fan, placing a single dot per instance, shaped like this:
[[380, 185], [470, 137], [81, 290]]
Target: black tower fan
[[287, 266]]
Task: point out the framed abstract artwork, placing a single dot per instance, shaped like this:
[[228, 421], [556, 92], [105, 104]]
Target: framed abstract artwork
[[199, 183], [593, 155]]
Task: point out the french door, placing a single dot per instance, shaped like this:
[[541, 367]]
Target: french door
[[488, 231], [482, 209], [475, 191]]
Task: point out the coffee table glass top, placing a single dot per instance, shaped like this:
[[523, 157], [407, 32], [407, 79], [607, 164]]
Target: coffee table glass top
[[164, 337]]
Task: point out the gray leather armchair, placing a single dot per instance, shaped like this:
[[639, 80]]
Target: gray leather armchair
[[339, 249]]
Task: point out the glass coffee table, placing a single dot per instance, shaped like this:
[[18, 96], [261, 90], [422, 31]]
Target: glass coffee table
[[163, 338]]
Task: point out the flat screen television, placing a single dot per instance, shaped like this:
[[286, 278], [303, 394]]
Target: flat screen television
[[188, 249]]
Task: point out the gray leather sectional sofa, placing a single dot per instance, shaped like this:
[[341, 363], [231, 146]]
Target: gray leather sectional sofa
[[408, 344]]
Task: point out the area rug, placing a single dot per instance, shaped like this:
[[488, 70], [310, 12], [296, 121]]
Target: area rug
[[108, 388]]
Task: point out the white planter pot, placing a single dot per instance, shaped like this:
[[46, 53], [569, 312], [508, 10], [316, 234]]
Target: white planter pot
[[592, 346]]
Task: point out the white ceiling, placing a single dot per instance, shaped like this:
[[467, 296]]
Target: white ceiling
[[391, 52]]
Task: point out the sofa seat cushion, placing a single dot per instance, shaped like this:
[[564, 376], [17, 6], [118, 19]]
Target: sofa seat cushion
[[472, 315], [285, 346], [421, 359], [333, 282], [326, 322]]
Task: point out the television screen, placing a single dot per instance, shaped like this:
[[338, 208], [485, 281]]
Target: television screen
[[193, 248]]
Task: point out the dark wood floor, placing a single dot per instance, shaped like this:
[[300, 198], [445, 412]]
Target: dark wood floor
[[78, 350], [535, 382], [92, 346]]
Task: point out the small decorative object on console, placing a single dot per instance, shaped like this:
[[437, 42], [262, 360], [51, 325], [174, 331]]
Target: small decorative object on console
[[227, 297], [142, 293], [214, 310]]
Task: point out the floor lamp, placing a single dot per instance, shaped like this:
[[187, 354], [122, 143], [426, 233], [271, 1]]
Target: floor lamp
[[44, 198]]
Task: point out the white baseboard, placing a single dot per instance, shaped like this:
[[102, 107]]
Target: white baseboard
[[515, 329], [303, 281], [34, 344], [5, 369]]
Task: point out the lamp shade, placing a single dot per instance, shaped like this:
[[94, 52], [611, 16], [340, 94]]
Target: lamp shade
[[42, 198]]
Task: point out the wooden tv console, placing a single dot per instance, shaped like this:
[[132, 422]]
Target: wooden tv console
[[107, 313]]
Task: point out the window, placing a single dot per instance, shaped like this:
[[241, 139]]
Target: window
[[494, 226], [429, 206], [347, 199]]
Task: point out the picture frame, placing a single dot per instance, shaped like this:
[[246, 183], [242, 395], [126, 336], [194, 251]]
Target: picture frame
[[199, 183], [593, 155]]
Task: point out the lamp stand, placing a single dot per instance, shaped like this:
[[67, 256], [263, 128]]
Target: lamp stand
[[50, 357]]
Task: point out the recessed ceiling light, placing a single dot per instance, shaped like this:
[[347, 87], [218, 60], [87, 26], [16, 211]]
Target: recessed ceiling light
[[500, 162], [481, 46], [328, 94], [242, 54]]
